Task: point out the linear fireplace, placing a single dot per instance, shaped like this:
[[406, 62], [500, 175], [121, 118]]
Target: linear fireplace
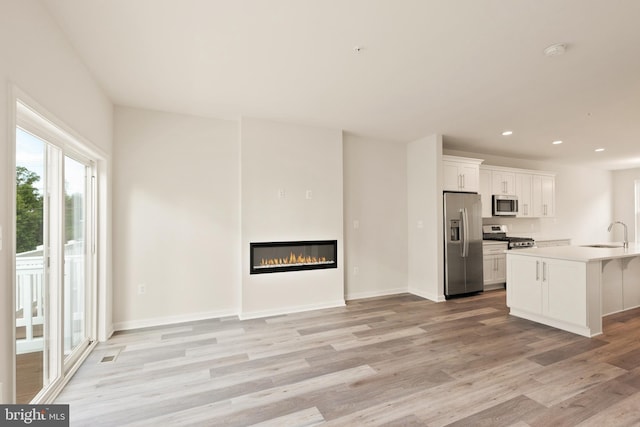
[[277, 257]]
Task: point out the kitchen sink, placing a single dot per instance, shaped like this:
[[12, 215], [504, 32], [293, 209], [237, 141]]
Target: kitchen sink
[[601, 246]]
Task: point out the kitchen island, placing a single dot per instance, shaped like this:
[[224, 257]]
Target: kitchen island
[[573, 287]]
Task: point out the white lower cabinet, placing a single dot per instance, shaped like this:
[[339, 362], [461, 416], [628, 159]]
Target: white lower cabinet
[[545, 288], [494, 265], [524, 286], [564, 293]]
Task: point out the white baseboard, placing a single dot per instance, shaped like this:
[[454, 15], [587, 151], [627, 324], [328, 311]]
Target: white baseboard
[[169, 320], [288, 310], [372, 294], [426, 295]]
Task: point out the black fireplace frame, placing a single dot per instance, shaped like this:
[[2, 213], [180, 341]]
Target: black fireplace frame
[[294, 267]]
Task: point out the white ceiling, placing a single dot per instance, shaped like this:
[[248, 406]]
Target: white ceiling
[[467, 69]]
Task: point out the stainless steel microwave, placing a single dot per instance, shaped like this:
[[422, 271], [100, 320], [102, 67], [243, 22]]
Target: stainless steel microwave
[[504, 205]]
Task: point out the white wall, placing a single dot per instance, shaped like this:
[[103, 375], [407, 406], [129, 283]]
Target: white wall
[[375, 195], [176, 218], [624, 202], [295, 159], [38, 60], [424, 193], [583, 201]]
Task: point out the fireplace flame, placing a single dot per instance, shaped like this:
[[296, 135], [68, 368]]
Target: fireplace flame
[[292, 260]]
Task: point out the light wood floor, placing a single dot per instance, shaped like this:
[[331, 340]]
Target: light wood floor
[[397, 360]]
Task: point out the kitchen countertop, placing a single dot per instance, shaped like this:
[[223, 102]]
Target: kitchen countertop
[[580, 253]]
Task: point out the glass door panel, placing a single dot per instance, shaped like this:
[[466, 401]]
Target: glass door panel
[[75, 250], [31, 305]]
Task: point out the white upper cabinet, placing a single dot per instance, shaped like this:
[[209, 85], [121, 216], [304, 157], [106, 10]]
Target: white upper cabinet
[[543, 196], [524, 189], [485, 192], [460, 173], [503, 182], [535, 190]]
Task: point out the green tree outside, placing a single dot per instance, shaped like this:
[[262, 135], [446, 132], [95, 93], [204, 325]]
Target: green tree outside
[[29, 211]]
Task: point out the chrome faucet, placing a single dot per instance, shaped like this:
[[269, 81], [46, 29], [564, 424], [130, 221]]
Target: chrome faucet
[[626, 237]]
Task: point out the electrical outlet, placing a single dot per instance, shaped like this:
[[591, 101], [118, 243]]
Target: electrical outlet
[[356, 224], [356, 271], [281, 193], [309, 194], [142, 289]]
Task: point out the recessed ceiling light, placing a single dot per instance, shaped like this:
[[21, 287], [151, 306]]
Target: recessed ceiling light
[[598, 150], [507, 132], [557, 142], [555, 49]]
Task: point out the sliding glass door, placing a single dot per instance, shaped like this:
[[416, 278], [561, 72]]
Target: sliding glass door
[[76, 267], [54, 268]]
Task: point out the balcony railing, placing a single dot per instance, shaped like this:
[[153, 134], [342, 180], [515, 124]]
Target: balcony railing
[[30, 301]]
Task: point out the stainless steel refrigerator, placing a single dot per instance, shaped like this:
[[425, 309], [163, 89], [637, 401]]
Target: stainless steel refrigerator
[[462, 244]]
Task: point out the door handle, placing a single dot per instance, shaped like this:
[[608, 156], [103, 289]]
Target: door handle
[[462, 231], [465, 232]]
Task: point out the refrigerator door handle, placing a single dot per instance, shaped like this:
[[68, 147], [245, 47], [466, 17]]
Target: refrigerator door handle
[[463, 227], [465, 232]]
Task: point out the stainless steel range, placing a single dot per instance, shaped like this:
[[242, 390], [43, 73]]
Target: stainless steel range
[[499, 232]]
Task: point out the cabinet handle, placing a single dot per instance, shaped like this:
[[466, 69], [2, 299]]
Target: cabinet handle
[[537, 270], [463, 183], [544, 271], [504, 186], [459, 181]]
